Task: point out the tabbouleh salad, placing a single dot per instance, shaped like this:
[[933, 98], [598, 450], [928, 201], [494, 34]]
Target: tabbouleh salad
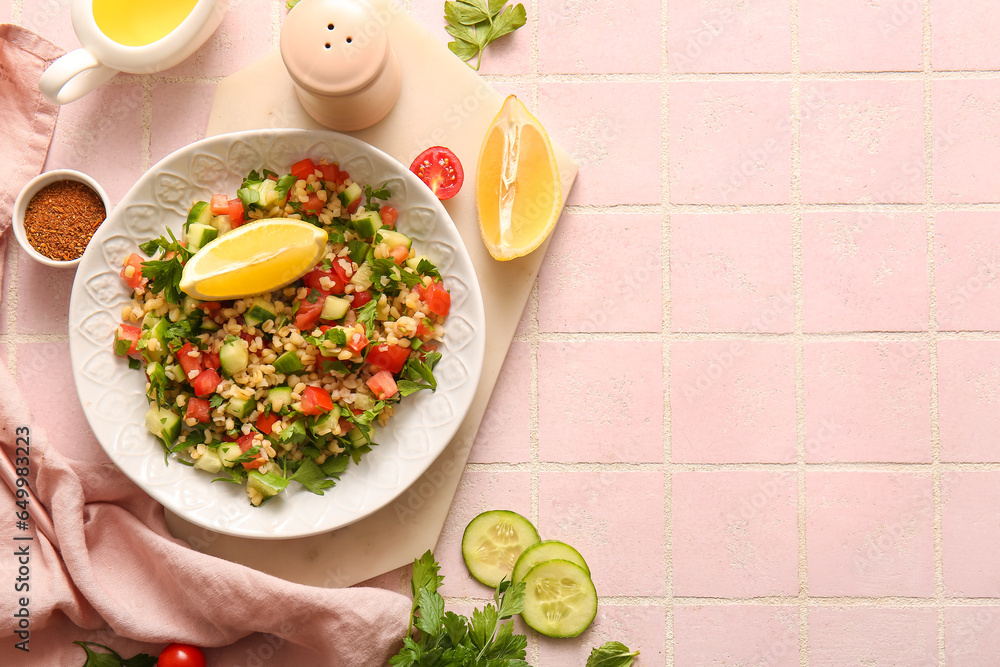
[[285, 387]]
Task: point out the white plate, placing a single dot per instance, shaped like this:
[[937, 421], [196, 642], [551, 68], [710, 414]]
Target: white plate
[[113, 396]]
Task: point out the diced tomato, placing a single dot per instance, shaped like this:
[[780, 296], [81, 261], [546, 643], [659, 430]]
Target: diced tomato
[[246, 442], [129, 333], [399, 254], [316, 400], [437, 298], [314, 280], [206, 383], [314, 204], [361, 298], [235, 212], [219, 205], [341, 271], [427, 347], [357, 342], [382, 385], [422, 329], [198, 408], [303, 168], [210, 360], [325, 327], [332, 172], [187, 362], [265, 422], [308, 313], [388, 357], [389, 215], [346, 426], [210, 306], [136, 279]]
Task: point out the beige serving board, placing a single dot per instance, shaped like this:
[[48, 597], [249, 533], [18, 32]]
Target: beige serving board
[[442, 102]]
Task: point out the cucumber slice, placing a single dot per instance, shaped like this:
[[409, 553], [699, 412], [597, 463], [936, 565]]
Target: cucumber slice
[[234, 357], [492, 543], [210, 461], [543, 551], [351, 196], [559, 599], [288, 363], [334, 308]]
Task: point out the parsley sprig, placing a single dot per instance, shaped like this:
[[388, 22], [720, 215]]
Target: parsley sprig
[[476, 23], [611, 654], [447, 639], [164, 271]]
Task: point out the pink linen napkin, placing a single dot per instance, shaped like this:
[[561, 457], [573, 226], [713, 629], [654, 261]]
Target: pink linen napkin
[[114, 575]]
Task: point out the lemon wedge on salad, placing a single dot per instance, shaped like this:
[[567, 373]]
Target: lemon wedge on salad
[[518, 193], [258, 257]]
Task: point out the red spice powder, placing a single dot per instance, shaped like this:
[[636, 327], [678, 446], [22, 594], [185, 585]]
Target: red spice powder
[[62, 217]]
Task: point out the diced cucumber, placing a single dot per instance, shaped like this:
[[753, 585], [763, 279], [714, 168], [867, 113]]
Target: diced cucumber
[[351, 195], [355, 438], [198, 236], [200, 213], [288, 363], [156, 373], [175, 373], [363, 402], [543, 551], [268, 484], [358, 250], [394, 239], [163, 424], [149, 320], [367, 223], [493, 542], [268, 195], [229, 452], [234, 356], [223, 224], [325, 423], [279, 398], [334, 308], [295, 433], [210, 461], [241, 408], [158, 333], [208, 324], [190, 304], [559, 599], [260, 311], [362, 278], [414, 262]]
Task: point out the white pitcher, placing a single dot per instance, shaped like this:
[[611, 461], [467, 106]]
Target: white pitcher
[[134, 36]]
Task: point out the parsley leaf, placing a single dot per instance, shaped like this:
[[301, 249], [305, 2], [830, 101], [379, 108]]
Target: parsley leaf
[[165, 274], [475, 24], [366, 314], [112, 659], [611, 654], [311, 476]]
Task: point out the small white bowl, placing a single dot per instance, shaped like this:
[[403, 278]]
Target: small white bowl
[[31, 189]]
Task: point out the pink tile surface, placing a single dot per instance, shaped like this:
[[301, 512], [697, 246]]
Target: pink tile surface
[[860, 35], [970, 528], [964, 146], [510, 54], [639, 628], [704, 119], [734, 534], [731, 273], [583, 287], [736, 635], [605, 401], [42, 296], [238, 42], [872, 636], [862, 141], [585, 36], [729, 36], [868, 401], [9, 250], [968, 394], [749, 387], [585, 509], [477, 492], [107, 122], [964, 35], [594, 122], [865, 272], [972, 636], [45, 377], [50, 19], [503, 434], [869, 534], [192, 101], [967, 271]]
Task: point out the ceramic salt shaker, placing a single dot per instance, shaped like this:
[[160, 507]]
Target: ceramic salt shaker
[[337, 52]]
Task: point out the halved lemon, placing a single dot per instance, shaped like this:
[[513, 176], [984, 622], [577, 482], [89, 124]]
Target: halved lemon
[[256, 258], [518, 193]]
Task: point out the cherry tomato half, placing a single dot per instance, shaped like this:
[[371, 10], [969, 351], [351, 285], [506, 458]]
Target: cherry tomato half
[[440, 169], [181, 655]]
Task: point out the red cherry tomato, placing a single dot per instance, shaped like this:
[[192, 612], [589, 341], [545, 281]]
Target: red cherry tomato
[[440, 169], [181, 655]]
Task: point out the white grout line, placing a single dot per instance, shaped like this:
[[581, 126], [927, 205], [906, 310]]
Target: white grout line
[[666, 329]]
